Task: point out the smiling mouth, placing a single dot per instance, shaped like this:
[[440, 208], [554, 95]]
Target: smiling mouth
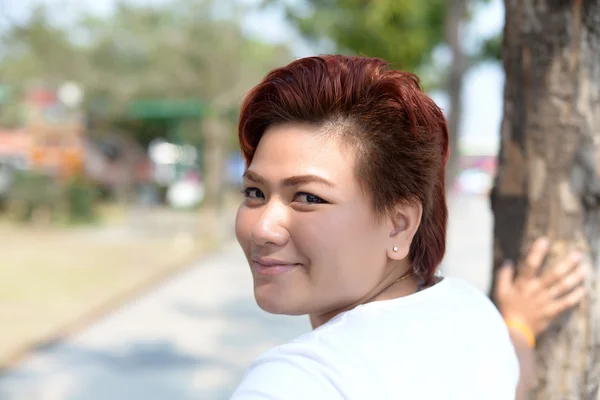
[[272, 267]]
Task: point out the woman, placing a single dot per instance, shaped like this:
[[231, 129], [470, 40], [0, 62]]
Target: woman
[[344, 219]]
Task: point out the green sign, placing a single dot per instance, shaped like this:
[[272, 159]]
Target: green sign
[[165, 108]]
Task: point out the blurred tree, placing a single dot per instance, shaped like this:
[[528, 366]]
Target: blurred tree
[[35, 50], [404, 32], [181, 50], [28, 59], [455, 15], [548, 180]]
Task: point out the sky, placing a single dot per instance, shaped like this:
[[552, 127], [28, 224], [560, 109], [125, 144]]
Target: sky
[[482, 91]]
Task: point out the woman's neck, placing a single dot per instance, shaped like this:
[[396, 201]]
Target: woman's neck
[[387, 290]]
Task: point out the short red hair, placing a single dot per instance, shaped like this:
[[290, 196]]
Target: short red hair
[[399, 134]]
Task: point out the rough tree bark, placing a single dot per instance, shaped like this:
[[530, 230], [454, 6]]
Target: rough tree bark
[[548, 181]]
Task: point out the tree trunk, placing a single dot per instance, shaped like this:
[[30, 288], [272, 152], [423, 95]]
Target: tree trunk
[[454, 19], [548, 179], [215, 141]]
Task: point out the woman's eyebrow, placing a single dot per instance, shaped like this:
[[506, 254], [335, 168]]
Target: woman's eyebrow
[[291, 181], [302, 179], [254, 177]]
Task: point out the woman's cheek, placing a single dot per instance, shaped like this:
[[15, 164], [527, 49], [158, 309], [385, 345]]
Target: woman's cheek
[[315, 234], [243, 226]]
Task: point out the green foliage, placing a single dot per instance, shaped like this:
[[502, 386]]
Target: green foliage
[[37, 197], [11, 114], [37, 50], [32, 193], [178, 50], [492, 48], [80, 198], [403, 32]]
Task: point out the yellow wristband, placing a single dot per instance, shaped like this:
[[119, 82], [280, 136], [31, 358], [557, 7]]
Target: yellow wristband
[[523, 329]]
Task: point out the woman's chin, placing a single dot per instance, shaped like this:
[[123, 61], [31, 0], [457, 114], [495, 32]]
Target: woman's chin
[[277, 304]]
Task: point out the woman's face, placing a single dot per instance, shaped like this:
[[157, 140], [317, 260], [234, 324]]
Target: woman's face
[[306, 226]]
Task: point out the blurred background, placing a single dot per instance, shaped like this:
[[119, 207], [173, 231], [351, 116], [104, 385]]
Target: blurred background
[[119, 173]]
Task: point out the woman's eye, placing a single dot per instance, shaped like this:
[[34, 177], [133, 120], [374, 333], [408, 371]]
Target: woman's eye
[[253, 193], [309, 198]]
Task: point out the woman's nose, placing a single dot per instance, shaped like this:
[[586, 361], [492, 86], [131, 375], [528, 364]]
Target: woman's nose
[[270, 227]]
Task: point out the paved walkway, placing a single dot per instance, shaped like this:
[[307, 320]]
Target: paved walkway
[[193, 337]]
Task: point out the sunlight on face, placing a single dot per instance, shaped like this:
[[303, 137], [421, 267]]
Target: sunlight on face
[[306, 226]]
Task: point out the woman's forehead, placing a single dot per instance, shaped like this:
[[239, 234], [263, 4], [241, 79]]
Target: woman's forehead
[[291, 150]]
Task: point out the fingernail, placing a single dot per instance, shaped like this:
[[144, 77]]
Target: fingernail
[[577, 256], [507, 263], [544, 242]]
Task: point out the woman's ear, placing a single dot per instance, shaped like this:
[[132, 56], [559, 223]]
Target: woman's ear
[[405, 222]]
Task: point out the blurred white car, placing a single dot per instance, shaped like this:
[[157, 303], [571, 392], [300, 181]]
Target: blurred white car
[[185, 194]]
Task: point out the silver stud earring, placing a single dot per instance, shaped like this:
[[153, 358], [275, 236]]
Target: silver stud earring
[[395, 249]]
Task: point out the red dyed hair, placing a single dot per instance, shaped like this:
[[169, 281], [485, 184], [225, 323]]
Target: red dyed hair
[[399, 134]]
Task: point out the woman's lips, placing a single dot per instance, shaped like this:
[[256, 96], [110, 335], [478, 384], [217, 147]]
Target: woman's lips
[[272, 267]]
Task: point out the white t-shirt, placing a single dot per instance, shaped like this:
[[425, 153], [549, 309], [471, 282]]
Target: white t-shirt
[[444, 342]]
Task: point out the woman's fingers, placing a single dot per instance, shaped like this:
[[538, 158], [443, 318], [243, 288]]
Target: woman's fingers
[[565, 276], [536, 256], [564, 303]]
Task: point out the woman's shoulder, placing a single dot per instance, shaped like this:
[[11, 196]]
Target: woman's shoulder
[[460, 292], [450, 306], [431, 327], [301, 369]]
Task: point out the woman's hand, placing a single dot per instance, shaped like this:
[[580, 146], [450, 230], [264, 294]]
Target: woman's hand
[[535, 300]]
